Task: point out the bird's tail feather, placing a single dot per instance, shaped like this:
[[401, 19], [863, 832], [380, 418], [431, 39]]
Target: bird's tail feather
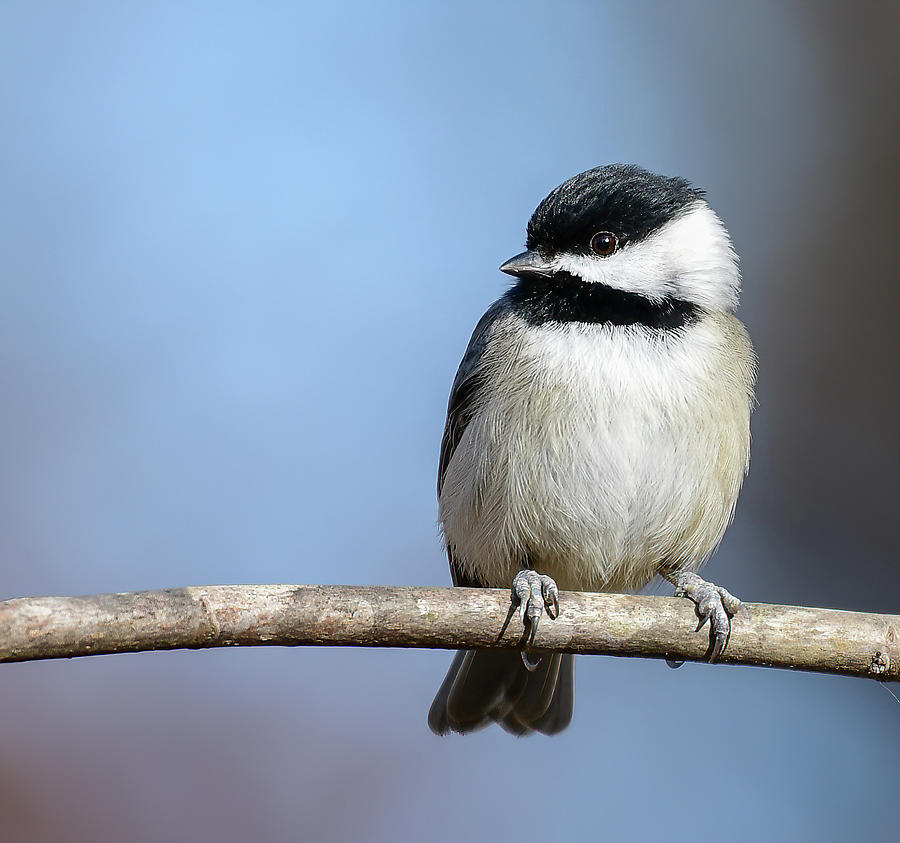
[[494, 686]]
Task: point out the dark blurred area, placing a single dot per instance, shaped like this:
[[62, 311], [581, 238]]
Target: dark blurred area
[[827, 342], [244, 246]]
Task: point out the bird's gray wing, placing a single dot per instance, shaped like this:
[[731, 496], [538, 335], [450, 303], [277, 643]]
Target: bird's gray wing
[[461, 407]]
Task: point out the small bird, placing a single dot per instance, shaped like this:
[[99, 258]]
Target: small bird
[[598, 429]]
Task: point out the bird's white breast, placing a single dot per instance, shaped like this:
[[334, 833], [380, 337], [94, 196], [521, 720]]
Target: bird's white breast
[[600, 452]]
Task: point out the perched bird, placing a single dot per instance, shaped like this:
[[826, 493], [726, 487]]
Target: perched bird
[[598, 429]]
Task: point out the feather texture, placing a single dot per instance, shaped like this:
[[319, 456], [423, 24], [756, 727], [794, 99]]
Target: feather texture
[[598, 452]]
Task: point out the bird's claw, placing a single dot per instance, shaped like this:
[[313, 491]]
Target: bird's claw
[[714, 604], [532, 593]]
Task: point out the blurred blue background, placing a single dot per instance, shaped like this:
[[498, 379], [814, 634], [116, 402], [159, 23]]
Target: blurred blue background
[[243, 247]]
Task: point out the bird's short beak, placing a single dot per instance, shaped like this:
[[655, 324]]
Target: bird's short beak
[[528, 263]]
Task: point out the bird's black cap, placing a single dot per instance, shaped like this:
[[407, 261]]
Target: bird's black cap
[[623, 199]]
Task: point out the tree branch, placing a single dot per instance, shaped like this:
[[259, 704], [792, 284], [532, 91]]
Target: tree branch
[[823, 640]]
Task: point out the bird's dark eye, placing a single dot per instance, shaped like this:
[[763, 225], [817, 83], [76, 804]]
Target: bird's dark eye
[[604, 243]]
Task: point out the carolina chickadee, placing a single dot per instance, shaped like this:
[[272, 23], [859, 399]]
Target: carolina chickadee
[[598, 429]]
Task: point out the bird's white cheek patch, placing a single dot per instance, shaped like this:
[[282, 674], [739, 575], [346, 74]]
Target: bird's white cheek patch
[[690, 258]]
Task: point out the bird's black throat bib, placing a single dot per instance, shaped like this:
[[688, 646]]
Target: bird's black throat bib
[[566, 298]]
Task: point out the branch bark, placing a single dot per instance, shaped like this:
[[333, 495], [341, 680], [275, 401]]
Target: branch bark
[[822, 640]]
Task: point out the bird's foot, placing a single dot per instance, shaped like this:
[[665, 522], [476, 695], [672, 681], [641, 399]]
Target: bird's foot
[[714, 604], [531, 594]]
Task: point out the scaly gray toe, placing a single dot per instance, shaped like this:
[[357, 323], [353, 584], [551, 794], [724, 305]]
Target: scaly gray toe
[[714, 604]]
